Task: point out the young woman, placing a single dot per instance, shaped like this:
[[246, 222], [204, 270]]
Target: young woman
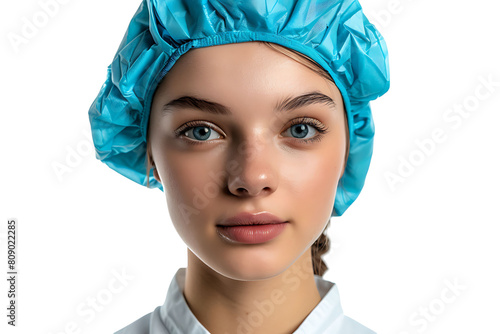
[[253, 117]]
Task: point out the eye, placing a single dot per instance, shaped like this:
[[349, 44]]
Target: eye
[[198, 131], [300, 131], [305, 129]]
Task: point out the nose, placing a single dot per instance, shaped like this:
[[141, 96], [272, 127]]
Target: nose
[[254, 171]]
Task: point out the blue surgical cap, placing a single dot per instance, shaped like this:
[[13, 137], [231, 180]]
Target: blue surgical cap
[[334, 33]]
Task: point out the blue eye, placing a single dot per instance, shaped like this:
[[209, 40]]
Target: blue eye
[[300, 131], [201, 133]]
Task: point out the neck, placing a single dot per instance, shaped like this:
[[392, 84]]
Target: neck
[[274, 305]]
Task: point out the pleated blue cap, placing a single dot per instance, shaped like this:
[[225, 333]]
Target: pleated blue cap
[[334, 33]]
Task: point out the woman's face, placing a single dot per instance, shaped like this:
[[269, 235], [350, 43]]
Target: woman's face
[[249, 158]]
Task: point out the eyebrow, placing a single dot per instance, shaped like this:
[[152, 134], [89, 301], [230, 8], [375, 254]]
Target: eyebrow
[[286, 104]]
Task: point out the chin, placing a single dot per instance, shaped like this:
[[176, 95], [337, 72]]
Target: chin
[[251, 267]]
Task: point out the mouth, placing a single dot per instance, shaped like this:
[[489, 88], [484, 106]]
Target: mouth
[[251, 219], [251, 228], [251, 234]]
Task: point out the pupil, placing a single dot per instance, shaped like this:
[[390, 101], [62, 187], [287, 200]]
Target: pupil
[[302, 132], [202, 131]]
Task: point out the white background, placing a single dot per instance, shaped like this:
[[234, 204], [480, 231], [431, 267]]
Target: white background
[[395, 251]]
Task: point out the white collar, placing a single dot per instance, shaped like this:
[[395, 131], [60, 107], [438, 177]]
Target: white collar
[[175, 317]]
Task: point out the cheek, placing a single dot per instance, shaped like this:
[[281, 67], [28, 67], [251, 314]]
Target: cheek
[[188, 182], [313, 187]]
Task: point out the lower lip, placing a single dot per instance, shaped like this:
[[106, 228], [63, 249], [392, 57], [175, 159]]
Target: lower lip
[[252, 234]]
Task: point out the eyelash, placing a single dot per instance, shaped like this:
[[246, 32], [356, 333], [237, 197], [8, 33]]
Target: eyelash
[[318, 126]]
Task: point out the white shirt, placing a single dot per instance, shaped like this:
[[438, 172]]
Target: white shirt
[[175, 317]]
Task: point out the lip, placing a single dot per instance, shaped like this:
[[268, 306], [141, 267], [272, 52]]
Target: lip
[[251, 228], [247, 218]]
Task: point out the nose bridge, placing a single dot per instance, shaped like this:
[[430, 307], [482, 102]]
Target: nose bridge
[[253, 165]]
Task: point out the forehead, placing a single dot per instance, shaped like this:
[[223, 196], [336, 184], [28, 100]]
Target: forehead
[[240, 73]]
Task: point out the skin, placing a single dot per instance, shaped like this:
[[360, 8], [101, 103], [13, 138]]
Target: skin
[[261, 166]]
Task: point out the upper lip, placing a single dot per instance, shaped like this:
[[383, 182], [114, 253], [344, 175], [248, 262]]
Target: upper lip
[[247, 218]]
